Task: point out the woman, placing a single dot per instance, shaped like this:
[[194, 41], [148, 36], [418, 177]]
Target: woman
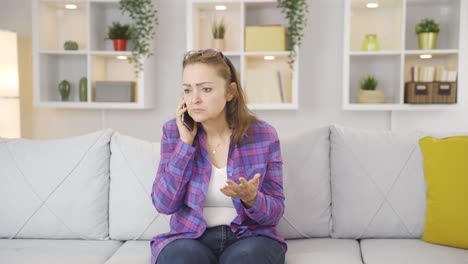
[[222, 180]]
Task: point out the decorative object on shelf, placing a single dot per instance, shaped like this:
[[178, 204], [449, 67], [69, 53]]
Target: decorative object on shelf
[[370, 43], [295, 11], [218, 29], [119, 34], [143, 14], [427, 31], [70, 45], [115, 91], [265, 38], [368, 93], [64, 89], [83, 89]]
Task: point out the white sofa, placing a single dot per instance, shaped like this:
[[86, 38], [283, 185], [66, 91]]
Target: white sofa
[[352, 196]]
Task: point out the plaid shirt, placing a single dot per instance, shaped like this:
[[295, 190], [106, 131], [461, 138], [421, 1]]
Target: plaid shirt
[[184, 173]]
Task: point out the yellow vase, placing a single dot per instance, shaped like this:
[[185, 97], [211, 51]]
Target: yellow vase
[[370, 43], [427, 40]]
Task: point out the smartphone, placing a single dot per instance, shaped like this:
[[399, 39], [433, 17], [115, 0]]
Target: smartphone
[[188, 121]]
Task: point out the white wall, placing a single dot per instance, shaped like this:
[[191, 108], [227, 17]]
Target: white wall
[[319, 92]]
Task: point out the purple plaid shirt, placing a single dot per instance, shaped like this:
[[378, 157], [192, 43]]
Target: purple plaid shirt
[[184, 174]]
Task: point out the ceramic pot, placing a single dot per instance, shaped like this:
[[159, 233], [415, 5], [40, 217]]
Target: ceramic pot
[[427, 40], [120, 44], [218, 44], [371, 97], [64, 89]]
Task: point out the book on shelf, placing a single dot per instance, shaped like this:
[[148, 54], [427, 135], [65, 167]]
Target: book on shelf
[[432, 73], [264, 86]]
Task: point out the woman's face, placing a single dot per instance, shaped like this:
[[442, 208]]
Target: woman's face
[[204, 92]]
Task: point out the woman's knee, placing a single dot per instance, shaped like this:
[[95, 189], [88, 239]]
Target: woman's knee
[[185, 251], [257, 249]]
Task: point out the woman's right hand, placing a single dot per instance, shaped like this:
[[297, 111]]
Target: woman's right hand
[[186, 135]]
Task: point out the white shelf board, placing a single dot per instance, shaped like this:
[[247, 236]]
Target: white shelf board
[[374, 53], [442, 52], [232, 53], [264, 53], [284, 106], [89, 105], [396, 107], [111, 53], [64, 52]]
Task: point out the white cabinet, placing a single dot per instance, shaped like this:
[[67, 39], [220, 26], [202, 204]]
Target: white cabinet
[[272, 84], [394, 24], [95, 59]]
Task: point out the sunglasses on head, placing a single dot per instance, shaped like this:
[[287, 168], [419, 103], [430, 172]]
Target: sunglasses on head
[[204, 53], [210, 53]]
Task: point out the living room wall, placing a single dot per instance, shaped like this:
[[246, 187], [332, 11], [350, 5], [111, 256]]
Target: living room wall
[[320, 80]]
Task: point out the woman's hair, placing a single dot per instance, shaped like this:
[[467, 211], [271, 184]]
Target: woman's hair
[[238, 115]]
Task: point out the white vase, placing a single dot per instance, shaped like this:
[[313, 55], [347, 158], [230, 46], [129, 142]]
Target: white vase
[[371, 97], [218, 44]]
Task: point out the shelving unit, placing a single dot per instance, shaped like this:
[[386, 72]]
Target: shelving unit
[[238, 15], [394, 24], [53, 24]]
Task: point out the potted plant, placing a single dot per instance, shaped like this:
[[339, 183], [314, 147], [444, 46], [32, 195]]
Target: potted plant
[[119, 34], [427, 31], [295, 11], [143, 15], [218, 29], [368, 93]]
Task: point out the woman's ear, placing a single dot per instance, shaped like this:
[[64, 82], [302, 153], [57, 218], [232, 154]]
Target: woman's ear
[[231, 91]]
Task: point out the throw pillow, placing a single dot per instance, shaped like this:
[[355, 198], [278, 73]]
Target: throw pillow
[[446, 174]]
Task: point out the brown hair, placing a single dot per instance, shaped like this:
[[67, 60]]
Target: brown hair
[[238, 115]]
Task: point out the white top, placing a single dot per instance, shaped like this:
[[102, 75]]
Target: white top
[[219, 209]]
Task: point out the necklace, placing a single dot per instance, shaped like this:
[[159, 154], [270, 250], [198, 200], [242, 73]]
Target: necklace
[[213, 150]]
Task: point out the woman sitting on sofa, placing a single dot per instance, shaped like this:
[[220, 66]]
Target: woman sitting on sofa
[[220, 176]]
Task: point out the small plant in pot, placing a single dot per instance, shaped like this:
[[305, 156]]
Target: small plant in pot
[[120, 34], [218, 29], [368, 94], [427, 31]]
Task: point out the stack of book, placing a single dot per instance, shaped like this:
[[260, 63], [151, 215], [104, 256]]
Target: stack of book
[[431, 85], [432, 73]]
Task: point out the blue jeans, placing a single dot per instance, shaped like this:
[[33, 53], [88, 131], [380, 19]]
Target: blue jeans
[[220, 245]]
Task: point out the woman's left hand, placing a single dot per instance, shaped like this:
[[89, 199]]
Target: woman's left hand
[[245, 190]]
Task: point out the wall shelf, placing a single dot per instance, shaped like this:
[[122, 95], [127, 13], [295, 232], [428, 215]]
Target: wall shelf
[[95, 59]]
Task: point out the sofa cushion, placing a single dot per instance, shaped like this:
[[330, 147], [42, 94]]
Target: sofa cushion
[[55, 189], [323, 251], [43, 251], [316, 250], [377, 181], [414, 251], [135, 252], [446, 173], [133, 167], [306, 184]]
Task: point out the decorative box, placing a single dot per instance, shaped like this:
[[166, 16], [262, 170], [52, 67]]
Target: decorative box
[[418, 92], [265, 38], [444, 92], [115, 91]]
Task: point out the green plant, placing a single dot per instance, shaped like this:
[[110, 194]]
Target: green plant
[[218, 29], [143, 15], [427, 25], [296, 11], [119, 31], [70, 45], [369, 83]]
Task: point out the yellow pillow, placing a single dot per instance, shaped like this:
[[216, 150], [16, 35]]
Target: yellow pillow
[[446, 173]]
